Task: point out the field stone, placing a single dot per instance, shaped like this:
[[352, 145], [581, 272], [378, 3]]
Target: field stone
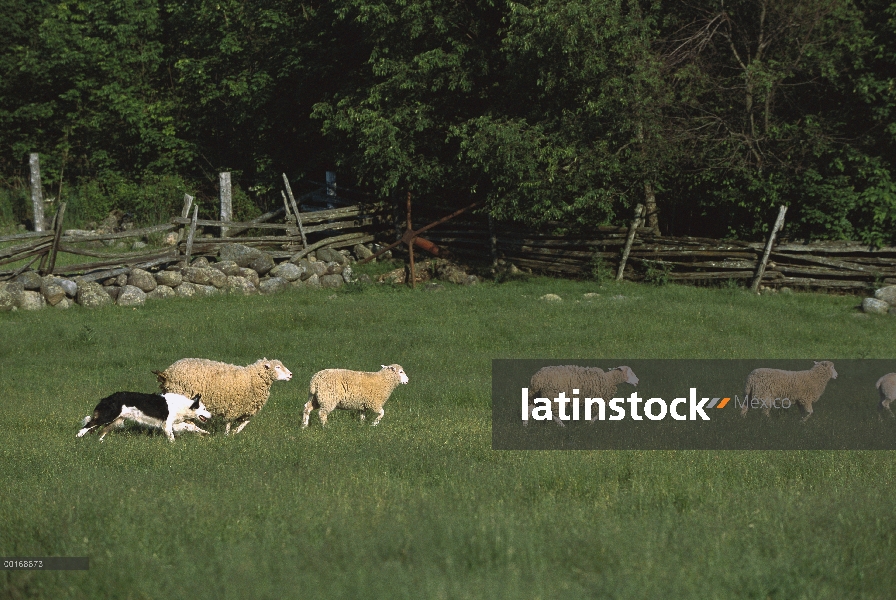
[[200, 263], [551, 298], [874, 306], [240, 285], [207, 290], [228, 267], [92, 295], [169, 279], [52, 292], [70, 287], [144, 280], [249, 274], [32, 300], [331, 281], [238, 253], [330, 255], [364, 278], [64, 304], [313, 281], [161, 292], [30, 280], [334, 268], [261, 264], [361, 251], [272, 285], [185, 290], [347, 274], [317, 268], [112, 290], [11, 294], [131, 295], [215, 277], [287, 271], [887, 294], [195, 275]]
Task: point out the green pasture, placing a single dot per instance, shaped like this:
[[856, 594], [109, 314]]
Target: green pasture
[[421, 506]]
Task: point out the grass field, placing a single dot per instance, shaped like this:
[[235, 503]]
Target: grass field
[[421, 506]]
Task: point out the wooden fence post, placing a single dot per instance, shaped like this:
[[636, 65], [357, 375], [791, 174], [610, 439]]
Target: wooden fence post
[[492, 240], [37, 196], [190, 235], [760, 268], [413, 274], [295, 208], [226, 200], [185, 212], [639, 210], [54, 249]]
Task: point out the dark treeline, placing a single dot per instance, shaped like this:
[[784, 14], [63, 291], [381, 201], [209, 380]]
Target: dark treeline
[[710, 113]]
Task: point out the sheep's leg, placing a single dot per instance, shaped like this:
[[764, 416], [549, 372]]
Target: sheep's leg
[[116, 423], [227, 428], [885, 404], [767, 407], [322, 413], [240, 427], [807, 410], [361, 414], [379, 415], [306, 414]]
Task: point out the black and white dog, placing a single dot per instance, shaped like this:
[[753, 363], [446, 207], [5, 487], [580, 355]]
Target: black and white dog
[[168, 412]]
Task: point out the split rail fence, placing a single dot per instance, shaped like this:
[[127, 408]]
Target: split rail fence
[[845, 266]]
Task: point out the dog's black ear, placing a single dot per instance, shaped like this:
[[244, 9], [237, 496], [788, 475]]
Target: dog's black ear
[[195, 404]]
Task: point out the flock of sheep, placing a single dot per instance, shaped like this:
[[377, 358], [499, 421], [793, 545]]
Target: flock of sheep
[[236, 394], [803, 388]]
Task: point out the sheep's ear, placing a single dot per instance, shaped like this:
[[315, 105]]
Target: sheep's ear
[[195, 404], [384, 366]]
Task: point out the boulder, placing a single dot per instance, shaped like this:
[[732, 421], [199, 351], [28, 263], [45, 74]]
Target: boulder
[[185, 290], [312, 282], [92, 295], [272, 285], [317, 268], [216, 278], [875, 306], [11, 295], [249, 274], [228, 267], [196, 275], [887, 294], [287, 271], [131, 295], [162, 291], [169, 279], [240, 285], [70, 287], [261, 264], [52, 292], [32, 300], [334, 268], [331, 281], [240, 254], [347, 274], [144, 280], [331, 255], [112, 290], [361, 251], [30, 280], [65, 303], [200, 263]]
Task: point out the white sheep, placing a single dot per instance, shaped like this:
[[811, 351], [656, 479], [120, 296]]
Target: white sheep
[[886, 385], [352, 390], [800, 387], [234, 393], [592, 382]]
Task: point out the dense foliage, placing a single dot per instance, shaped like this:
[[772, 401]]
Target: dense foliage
[[711, 113]]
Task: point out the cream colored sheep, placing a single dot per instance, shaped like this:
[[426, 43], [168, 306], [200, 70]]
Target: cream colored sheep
[[352, 390], [886, 385], [591, 382], [234, 393], [803, 388]]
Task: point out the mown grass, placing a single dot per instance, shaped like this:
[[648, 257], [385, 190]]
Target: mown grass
[[420, 506]]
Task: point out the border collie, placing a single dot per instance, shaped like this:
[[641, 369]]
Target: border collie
[[168, 412]]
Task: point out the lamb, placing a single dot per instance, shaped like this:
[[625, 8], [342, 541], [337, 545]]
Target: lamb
[[352, 390], [591, 382], [801, 387], [234, 393], [886, 385]]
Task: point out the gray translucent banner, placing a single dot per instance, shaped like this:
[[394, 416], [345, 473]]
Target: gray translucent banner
[[681, 404]]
